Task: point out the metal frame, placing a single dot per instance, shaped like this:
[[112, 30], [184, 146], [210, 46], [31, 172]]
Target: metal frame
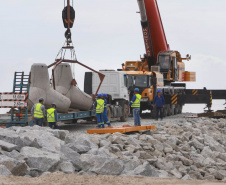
[[76, 115], [21, 86], [59, 61]]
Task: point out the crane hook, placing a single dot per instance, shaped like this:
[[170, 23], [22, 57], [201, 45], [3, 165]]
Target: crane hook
[[68, 36]]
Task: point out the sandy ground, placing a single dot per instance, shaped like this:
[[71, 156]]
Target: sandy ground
[[62, 179]]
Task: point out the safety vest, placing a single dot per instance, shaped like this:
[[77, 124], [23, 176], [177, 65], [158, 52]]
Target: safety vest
[[100, 106], [51, 115], [136, 103], [38, 113]]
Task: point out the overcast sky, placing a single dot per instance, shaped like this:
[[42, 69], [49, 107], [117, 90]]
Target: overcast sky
[[107, 33]]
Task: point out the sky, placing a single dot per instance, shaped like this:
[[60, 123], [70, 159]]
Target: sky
[[108, 33]]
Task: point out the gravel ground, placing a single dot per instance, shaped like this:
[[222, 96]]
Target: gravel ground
[[82, 126], [63, 179]]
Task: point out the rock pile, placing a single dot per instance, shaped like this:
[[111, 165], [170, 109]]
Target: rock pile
[[186, 149]]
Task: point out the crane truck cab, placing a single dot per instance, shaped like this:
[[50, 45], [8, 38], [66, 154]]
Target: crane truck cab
[[120, 85], [172, 66], [148, 83]]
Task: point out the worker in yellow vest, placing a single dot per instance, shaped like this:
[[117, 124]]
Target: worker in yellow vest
[[38, 112], [135, 104], [99, 105], [52, 117]]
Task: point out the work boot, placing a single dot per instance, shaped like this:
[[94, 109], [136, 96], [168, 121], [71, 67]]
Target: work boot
[[109, 124]]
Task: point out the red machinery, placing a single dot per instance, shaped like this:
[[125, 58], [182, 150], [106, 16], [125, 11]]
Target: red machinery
[[153, 31]]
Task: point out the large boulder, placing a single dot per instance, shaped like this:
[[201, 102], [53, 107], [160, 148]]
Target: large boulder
[[220, 174], [60, 134], [144, 170], [46, 140], [130, 165], [67, 167], [11, 136], [14, 154], [82, 145], [100, 152], [7, 146], [9, 162], [41, 160], [101, 165], [195, 143], [222, 156], [4, 171], [18, 168], [71, 155]]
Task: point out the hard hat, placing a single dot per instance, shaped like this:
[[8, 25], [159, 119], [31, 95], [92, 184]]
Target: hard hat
[[99, 95], [159, 91], [105, 95], [137, 90], [41, 99], [53, 105]]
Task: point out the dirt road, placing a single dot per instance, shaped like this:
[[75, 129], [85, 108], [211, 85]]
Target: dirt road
[[62, 179]]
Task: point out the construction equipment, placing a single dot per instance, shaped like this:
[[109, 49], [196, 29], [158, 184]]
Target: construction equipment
[[114, 85], [64, 86], [68, 16], [162, 68]]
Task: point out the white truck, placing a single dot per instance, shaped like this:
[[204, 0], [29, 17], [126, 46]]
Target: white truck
[[114, 85]]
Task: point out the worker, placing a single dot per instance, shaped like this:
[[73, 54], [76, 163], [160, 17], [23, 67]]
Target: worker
[[135, 104], [52, 117], [105, 110], [99, 105], [159, 104], [38, 112]]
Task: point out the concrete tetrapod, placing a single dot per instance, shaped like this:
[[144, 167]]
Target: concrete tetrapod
[[63, 78], [40, 87]]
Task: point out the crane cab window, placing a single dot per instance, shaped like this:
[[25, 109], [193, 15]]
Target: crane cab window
[[164, 62]]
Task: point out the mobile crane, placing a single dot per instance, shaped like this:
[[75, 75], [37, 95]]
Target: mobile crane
[[160, 68]]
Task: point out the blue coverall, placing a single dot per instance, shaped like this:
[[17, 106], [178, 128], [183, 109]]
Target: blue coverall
[[159, 102], [100, 118]]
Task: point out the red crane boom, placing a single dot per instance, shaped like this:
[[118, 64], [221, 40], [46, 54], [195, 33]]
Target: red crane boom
[[153, 31]]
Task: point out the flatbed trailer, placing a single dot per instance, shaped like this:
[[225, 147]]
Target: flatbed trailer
[[71, 116], [76, 115]]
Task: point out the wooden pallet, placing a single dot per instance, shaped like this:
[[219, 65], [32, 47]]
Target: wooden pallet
[[123, 129], [211, 115]]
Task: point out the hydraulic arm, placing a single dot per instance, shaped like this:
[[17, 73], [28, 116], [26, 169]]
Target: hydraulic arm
[[153, 31]]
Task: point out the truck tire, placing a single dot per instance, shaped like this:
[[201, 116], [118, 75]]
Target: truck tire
[[153, 113], [109, 114], [180, 107], [74, 121], [125, 116], [168, 110], [176, 110], [115, 112], [172, 110], [165, 112]]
